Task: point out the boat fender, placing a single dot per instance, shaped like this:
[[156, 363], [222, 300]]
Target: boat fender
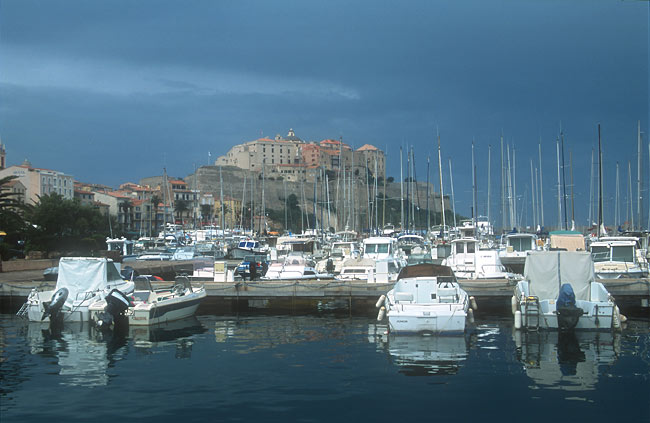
[[470, 315], [473, 303], [518, 319], [381, 314], [513, 304], [380, 301], [58, 299]]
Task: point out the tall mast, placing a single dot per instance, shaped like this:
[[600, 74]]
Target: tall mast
[[243, 204], [564, 184], [514, 185], [541, 185], [573, 215], [533, 193], [513, 218], [453, 199], [428, 215], [474, 221], [223, 217], [630, 211], [383, 212], [616, 208], [442, 194], [638, 179], [591, 190], [489, 177], [600, 184], [401, 188], [503, 189], [559, 186]]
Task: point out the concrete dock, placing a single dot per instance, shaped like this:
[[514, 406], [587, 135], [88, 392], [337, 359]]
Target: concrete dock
[[631, 295]]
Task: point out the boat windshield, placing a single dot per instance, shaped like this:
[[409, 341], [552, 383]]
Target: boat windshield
[[377, 248], [624, 253], [521, 244], [600, 253]]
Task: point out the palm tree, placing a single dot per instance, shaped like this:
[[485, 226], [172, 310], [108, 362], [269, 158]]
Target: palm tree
[[125, 206], [206, 212], [180, 207], [155, 204], [12, 210]]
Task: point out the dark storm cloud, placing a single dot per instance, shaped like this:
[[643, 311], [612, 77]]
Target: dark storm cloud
[[156, 83]]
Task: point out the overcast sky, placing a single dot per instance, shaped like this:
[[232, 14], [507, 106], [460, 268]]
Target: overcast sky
[[112, 91]]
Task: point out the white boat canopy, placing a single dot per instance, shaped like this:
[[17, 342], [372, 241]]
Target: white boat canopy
[[86, 274], [546, 271]]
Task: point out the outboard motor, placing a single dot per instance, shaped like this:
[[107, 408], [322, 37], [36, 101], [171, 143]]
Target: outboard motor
[[567, 312], [54, 307], [116, 304]]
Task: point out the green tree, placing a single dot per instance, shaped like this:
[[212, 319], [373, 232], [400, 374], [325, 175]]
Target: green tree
[[181, 206], [12, 220], [155, 204], [206, 212], [66, 225]]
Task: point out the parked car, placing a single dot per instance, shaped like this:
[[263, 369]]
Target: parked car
[[261, 265]]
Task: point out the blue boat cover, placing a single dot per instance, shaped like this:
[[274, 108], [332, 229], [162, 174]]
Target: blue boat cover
[[567, 297]]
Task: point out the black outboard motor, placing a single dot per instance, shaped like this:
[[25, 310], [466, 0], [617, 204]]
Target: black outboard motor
[[567, 312], [116, 304], [53, 309]]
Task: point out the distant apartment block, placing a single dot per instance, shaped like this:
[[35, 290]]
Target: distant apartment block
[[39, 182]]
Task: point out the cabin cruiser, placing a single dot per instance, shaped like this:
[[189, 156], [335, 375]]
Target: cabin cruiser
[[123, 246], [150, 306], [515, 248], [425, 299], [559, 291], [369, 270], [81, 281], [339, 252], [379, 248], [618, 257], [293, 267], [411, 244], [469, 262]]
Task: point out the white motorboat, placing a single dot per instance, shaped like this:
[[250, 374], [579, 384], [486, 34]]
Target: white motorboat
[[369, 270], [81, 281], [150, 306], [426, 299], [619, 257], [468, 261], [515, 248], [294, 266], [559, 291]]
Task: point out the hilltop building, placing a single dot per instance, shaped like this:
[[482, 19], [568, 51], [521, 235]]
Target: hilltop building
[[293, 159]]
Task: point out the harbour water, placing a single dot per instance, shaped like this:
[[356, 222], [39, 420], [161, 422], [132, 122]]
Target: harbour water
[[319, 368]]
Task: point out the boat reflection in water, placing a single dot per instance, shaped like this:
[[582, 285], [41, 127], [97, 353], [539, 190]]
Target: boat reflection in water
[[83, 355], [418, 355], [178, 331], [568, 361]]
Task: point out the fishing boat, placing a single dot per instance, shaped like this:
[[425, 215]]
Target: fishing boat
[[81, 281], [153, 306], [559, 291], [426, 299]]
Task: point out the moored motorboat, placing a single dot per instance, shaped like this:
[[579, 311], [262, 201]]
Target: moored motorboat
[[426, 299], [559, 291], [159, 306], [86, 280]]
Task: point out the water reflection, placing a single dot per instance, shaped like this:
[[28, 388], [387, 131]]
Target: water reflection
[[418, 355], [568, 361], [82, 355]]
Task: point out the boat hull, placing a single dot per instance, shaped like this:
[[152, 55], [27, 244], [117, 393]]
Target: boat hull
[[423, 322], [166, 310]]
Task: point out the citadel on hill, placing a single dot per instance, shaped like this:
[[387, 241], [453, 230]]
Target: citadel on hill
[[252, 178]]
